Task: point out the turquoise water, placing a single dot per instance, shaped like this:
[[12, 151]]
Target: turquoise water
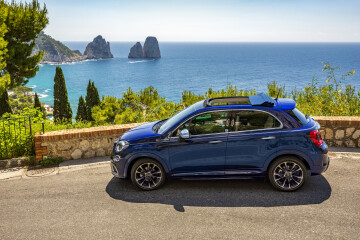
[[199, 66]]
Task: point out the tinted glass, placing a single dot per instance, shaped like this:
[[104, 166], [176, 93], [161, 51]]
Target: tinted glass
[[251, 120], [298, 116], [180, 115], [207, 123]]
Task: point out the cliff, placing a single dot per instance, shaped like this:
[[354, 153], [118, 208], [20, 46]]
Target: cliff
[[98, 49], [54, 51]]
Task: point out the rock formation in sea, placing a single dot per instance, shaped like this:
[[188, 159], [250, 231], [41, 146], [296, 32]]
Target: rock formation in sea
[[151, 48], [54, 51], [136, 51], [98, 49]]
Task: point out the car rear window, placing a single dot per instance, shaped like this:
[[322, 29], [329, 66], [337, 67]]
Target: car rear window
[[298, 116]]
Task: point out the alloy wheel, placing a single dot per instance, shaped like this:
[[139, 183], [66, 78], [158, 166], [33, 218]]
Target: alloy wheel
[[288, 175], [148, 175]]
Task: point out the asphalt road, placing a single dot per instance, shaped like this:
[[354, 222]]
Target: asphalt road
[[91, 204]]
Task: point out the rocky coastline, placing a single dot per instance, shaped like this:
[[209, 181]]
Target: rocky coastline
[[56, 52]]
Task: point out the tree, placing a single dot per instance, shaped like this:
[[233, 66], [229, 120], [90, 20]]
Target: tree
[[23, 21], [92, 99], [5, 106], [37, 105], [4, 77], [81, 114], [62, 109]]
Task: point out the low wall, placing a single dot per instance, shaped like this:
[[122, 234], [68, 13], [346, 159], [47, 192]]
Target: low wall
[[340, 131], [98, 141], [79, 143]]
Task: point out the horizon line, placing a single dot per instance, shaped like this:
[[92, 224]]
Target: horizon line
[[217, 41]]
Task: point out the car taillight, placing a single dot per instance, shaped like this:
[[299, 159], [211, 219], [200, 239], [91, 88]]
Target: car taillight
[[316, 138]]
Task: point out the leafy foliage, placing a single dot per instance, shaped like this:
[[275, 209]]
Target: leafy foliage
[[50, 161], [62, 109], [23, 21], [4, 76]]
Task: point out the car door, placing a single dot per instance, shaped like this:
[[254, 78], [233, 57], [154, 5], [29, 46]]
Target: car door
[[203, 154], [253, 136]]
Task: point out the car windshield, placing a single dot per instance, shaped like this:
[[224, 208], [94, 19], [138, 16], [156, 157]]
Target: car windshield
[[180, 115]]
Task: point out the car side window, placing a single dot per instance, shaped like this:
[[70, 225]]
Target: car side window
[[206, 123], [251, 120]]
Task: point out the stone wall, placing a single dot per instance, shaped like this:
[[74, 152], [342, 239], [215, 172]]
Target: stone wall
[[98, 141], [79, 143], [340, 131]]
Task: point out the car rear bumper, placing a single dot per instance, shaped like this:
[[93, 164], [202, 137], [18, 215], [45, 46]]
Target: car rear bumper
[[325, 162]]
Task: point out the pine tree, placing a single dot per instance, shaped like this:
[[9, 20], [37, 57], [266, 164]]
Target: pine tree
[[62, 109], [92, 99], [23, 21], [37, 103], [5, 104], [96, 95], [81, 114]]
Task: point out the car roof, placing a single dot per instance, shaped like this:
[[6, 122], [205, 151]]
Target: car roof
[[260, 99]]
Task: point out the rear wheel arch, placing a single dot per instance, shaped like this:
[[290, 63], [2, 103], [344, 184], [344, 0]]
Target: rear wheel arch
[[289, 155]]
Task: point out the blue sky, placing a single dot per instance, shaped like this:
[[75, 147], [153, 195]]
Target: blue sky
[[206, 21]]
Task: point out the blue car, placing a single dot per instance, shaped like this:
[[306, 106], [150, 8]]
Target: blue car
[[224, 138]]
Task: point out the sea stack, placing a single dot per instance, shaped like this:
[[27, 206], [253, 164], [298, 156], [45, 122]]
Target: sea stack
[[136, 51], [98, 49], [151, 48]]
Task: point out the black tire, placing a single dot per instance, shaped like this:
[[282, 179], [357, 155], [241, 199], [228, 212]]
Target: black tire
[[287, 174], [147, 174]]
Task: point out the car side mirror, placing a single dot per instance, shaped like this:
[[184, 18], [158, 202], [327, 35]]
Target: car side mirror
[[184, 134]]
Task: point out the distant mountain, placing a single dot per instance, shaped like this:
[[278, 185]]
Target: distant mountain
[[55, 51]]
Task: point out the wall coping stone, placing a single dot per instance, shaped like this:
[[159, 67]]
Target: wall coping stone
[[84, 132], [346, 121]]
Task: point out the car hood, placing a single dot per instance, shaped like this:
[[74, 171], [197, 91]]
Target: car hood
[[143, 131]]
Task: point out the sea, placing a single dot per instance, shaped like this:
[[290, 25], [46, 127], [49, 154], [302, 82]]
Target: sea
[[200, 66]]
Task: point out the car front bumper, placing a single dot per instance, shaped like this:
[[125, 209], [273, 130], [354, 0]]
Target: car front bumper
[[117, 165]]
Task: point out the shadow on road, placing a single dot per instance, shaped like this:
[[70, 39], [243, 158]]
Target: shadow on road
[[222, 193]]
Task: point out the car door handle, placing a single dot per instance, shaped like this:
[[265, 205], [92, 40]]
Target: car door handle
[[268, 138], [214, 142]]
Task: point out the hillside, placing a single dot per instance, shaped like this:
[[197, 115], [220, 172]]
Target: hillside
[[55, 51]]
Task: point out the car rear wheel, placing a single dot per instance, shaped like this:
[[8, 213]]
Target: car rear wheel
[[287, 174], [147, 174]]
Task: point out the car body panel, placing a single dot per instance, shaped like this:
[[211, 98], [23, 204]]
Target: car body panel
[[199, 155]]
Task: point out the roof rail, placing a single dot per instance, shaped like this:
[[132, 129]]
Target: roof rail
[[255, 100]]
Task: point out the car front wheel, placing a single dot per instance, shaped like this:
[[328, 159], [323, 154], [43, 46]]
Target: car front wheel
[[287, 174], [147, 174]]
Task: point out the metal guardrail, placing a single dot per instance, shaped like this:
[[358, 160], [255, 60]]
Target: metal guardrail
[[17, 137]]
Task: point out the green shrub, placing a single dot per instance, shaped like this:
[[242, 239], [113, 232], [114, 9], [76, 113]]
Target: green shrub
[[50, 161]]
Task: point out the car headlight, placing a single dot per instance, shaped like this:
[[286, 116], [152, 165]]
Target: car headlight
[[121, 145]]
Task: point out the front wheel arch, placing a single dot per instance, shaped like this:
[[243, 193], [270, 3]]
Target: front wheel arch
[[135, 159]]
